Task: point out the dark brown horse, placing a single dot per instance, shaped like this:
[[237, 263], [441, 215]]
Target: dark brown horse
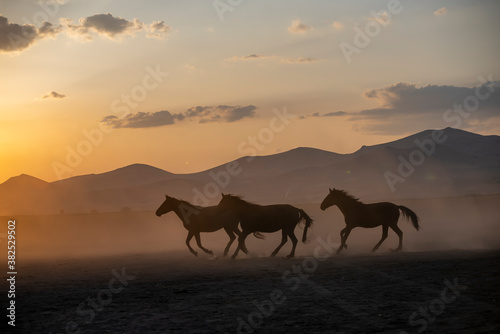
[[256, 218], [198, 219], [359, 214]]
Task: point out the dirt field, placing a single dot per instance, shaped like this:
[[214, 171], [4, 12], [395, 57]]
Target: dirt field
[[410, 292]]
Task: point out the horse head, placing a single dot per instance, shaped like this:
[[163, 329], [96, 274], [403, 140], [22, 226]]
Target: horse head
[[329, 200], [167, 206]]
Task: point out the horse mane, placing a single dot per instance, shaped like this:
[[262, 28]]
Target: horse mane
[[240, 199], [186, 203], [346, 195]]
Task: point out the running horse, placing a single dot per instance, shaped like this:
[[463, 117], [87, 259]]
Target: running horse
[[256, 218], [198, 219], [358, 214]]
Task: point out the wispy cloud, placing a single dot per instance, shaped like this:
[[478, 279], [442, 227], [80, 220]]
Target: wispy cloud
[[339, 26], [298, 27], [441, 11], [328, 114], [249, 57], [298, 60], [280, 59], [158, 29], [53, 95], [201, 114]]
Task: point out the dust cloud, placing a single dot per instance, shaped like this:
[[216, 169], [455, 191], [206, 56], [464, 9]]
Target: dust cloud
[[469, 222]]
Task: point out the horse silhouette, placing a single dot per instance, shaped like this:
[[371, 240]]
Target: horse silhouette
[[359, 214], [256, 218], [198, 219]]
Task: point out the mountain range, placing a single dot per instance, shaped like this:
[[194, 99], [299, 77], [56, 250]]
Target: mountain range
[[432, 163]]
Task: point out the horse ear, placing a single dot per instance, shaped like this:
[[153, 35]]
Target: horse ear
[[331, 190], [166, 196], [223, 194]]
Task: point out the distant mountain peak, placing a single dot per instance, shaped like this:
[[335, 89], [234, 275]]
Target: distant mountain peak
[[24, 180]]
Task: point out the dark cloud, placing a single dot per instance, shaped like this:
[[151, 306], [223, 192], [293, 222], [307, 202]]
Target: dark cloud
[[329, 114], [142, 120], [203, 114], [54, 95], [18, 37], [49, 30], [219, 113], [249, 57], [15, 37], [104, 24], [405, 107], [408, 99], [335, 113]]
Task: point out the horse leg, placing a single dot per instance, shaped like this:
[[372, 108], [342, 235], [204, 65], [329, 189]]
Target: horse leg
[[396, 229], [343, 238], [294, 243], [241, 244], [198, 242], [231, 239], [188, 239], [384, 236], [284, 238]]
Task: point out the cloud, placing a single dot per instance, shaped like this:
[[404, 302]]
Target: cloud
[[158, 29], [104, 25], [299, 60], [383, 18], [339, 26], [404, 105], [329, 114], [218, 113], [281, 59], [53, 95], [297, 27], [49, 30], [441, 11], [335, 113], [52, 2], [18, 37], [247, 58], [142, 120], [202, 114], [15, 37]]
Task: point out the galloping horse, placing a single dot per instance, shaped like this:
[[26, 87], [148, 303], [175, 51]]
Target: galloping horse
[[359, 214], [198, 219], [256, 218]]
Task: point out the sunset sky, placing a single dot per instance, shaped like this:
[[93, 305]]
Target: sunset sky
[[91, 86]]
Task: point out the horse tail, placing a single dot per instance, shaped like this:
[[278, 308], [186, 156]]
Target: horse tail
[[408, 214], [258, 235], [309, 221]]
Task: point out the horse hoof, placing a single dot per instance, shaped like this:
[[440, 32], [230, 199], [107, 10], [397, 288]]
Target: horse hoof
[[210, 252]]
